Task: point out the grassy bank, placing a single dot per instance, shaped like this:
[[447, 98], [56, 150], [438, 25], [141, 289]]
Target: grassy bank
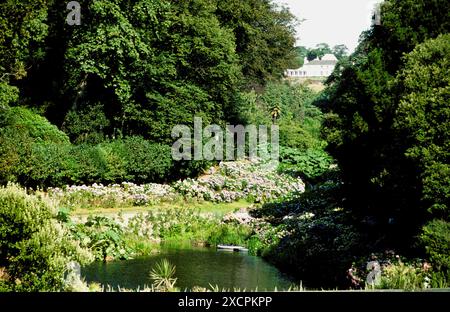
[[218, 209]]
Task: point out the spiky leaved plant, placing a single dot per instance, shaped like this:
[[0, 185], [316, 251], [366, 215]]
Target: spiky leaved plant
[[162, 275]]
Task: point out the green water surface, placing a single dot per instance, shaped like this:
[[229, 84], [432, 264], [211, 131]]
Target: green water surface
[[194, 267]]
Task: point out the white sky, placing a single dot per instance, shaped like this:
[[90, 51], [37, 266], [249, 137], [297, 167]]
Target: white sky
[[331, 21]]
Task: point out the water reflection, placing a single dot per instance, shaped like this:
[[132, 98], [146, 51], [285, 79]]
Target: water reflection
[[194, 267]]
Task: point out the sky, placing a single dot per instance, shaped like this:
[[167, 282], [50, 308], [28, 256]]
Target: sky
[[331, 21]]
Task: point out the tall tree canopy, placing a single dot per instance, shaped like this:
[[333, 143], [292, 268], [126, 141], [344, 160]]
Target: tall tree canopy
[[139, 67], [382, 178]]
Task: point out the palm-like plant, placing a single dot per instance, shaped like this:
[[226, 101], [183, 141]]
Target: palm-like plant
[[275, 112], [163, 276]]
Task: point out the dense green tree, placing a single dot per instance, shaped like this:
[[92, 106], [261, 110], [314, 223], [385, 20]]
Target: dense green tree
[[312, 54], [423, 115], [301, 53], [151, 64], [382, 180], [23, 30], [147, 64], [264, 37], [320, 50], [132, 68], [340, 51]]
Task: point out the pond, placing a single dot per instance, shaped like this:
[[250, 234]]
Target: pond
[[194, 267]]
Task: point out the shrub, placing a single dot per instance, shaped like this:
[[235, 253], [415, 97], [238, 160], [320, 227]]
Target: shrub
[[146, 161], [412, 276], [318, 250], [229, 234], [33, 125], [20, 129], [315, 239], [103, 236], [310, 164], [435, 238], [185, 168], [402, 276], [295, 136], [50, 164], [47, 164], [90, 166], [86, 125], [115, 156], [8, 94], [34, 248], [15, 148]]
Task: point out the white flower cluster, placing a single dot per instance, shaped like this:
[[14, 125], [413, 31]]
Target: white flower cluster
[[115, 194], [251, 179], [247, 179]]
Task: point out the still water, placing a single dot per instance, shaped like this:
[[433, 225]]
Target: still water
[[194, 267]]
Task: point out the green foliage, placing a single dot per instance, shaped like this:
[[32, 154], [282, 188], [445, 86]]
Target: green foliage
[[291, 107], [30, 124], [310, 235], [301, 53], [386, 119], [406, 23], [15, 147], [340, 51], [139, 246], [146, 161], [318, 249], [131, 69], [86, 125], [8, 94], [50, 164], [20, 132], [412, 276], [131, 158], [320, 50], [34, 248], [47, 163], [185, 168], [159, 68], [294, 100], [90, 164], [163, 276], [435, 237], [139, 67], [310, 164], [402, 276], [422, 115], [103, 236], [187, 224], [229, 234], [23, 30], [250, 108], [264, 35], [301, 137]]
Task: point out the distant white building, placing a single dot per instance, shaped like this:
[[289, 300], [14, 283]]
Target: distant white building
[[316, 68]]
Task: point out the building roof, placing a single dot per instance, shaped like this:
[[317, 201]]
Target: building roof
[[329, 57], [322, 62]]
